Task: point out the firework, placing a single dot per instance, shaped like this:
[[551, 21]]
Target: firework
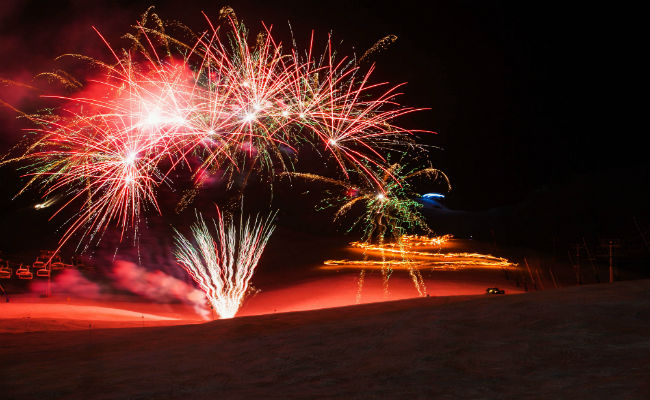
[[279, 102], [215, 103], [110, 146], [222, 264], [388, 212]]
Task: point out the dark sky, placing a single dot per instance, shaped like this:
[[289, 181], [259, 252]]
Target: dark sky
[[522, 97]]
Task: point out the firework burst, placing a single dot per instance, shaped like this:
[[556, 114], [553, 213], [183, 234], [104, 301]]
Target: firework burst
[[388, 213], [389, 210]]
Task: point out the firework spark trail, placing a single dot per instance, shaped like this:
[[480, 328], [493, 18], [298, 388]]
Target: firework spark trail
[[386, 272], [410, 259], [435, 261], [360, 280], [224, 266], [414, 273]]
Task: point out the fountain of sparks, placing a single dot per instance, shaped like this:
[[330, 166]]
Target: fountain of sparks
[[222, 264]]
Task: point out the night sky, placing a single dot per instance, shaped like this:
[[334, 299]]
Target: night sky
[[525, 99]]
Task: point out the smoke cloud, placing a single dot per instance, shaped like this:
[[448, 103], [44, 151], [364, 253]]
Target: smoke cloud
[[71, 282], [153, 285], [158, 286]]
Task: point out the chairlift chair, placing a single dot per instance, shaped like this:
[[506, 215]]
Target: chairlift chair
[[23, 272], [43, 272], [57, 266], [5, 270]]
